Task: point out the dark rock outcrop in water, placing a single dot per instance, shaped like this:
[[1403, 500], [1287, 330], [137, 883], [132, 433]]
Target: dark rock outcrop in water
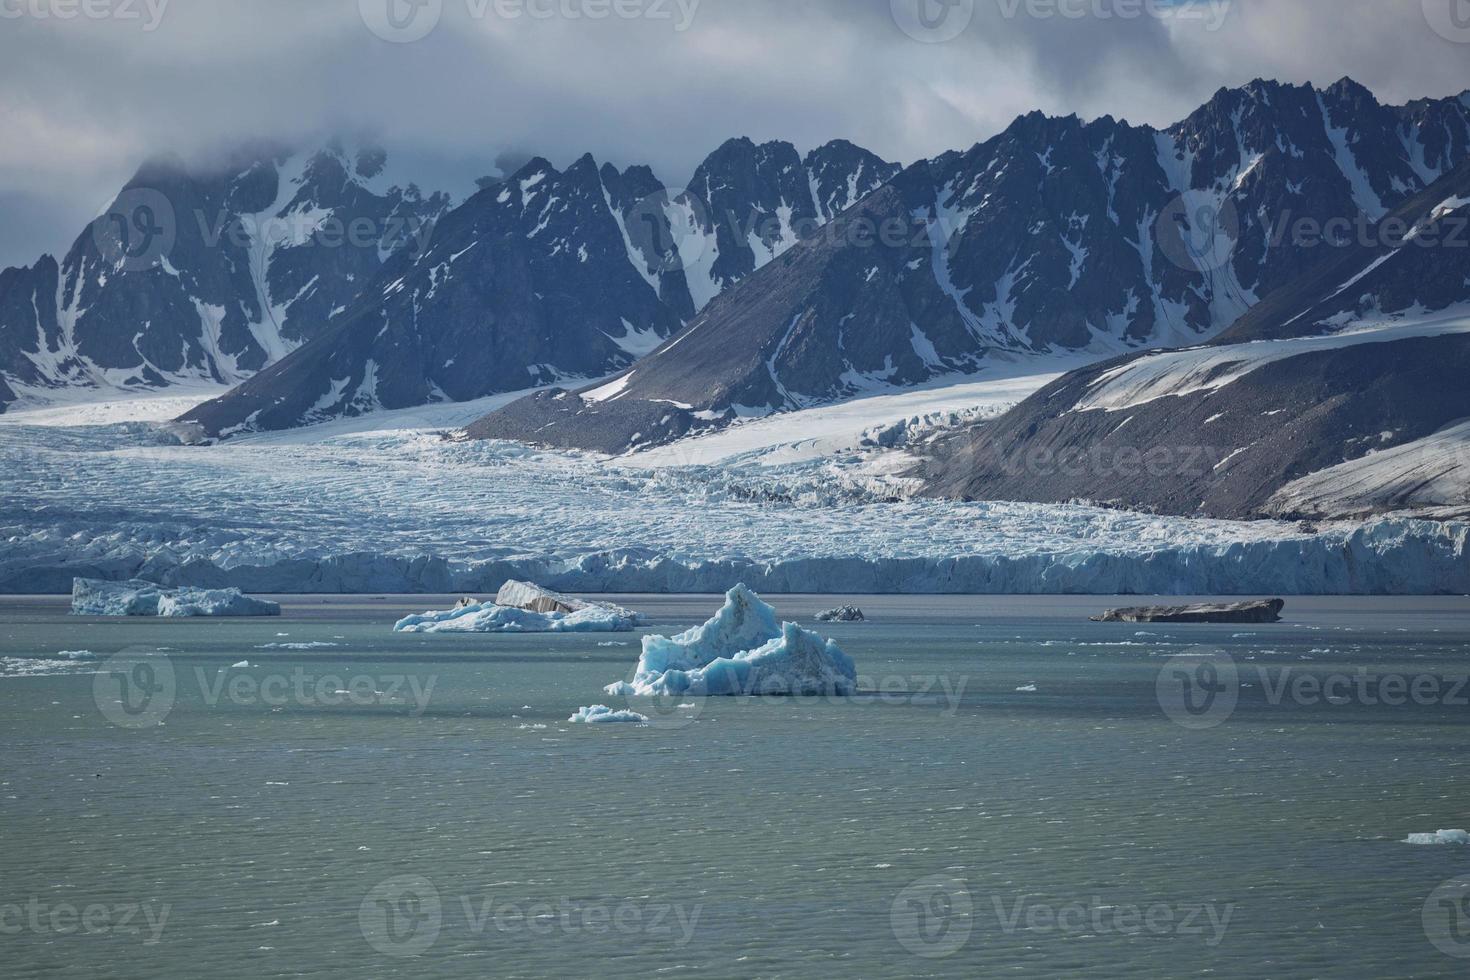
[[1262, 611]]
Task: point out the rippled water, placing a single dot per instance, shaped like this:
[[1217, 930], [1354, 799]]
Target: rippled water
[[950, 822]]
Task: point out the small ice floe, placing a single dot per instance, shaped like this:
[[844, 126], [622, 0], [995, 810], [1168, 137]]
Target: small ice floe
[[93, 597], [314, 645], [242, 665], [842, 614], [601, 714], [613, 643], [743, 650], [524, 608], [33, 667], [77, 655], [1026, 689], [1440, 837]]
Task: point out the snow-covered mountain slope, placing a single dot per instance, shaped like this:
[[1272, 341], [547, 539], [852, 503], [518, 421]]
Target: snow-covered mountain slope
[[752, 202], [1055, 236], [208, 274], [552, 275], [383, 503], [1357, 357], [1219, 430], [1429, 476], [883, 420]]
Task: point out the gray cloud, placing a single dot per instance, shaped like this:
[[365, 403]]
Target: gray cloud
[[88, 99]]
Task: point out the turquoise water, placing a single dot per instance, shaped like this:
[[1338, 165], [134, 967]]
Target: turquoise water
[[444, 819]]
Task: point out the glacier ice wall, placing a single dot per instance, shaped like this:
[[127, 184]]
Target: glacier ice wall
[[408, 512]]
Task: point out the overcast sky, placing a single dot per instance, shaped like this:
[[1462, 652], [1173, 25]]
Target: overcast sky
[[87, 97]]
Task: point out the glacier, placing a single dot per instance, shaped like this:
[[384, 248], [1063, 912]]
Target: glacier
[[91, 597], [742, 650], [390, 504]]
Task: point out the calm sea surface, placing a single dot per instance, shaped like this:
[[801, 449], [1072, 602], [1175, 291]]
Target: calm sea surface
[[1018, 792]]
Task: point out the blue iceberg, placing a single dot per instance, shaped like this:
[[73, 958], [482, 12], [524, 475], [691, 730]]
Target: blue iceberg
[[743, 650]]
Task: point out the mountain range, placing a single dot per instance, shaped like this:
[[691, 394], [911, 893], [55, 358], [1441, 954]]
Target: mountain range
[[210, 275], [1341, 395], [1054, 237], [549, 275], [1274, 214]]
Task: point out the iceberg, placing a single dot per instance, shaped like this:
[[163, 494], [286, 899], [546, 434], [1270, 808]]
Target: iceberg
[[94, 597], [491, 617], [1260, 611], [1441, 837], [842, 614], [533, 598], [601, 714], [743, 650]]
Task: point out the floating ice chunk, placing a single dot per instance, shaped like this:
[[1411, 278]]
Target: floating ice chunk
[[842, 614], [77, 655], [533, 598], [92, 597], [601, 714], [313, 645], [487, 617], [1027, 689], [1441, 837], [242, 665], [742, 650]]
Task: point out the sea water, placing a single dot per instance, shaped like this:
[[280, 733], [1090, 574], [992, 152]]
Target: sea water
[[1016, 791]]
